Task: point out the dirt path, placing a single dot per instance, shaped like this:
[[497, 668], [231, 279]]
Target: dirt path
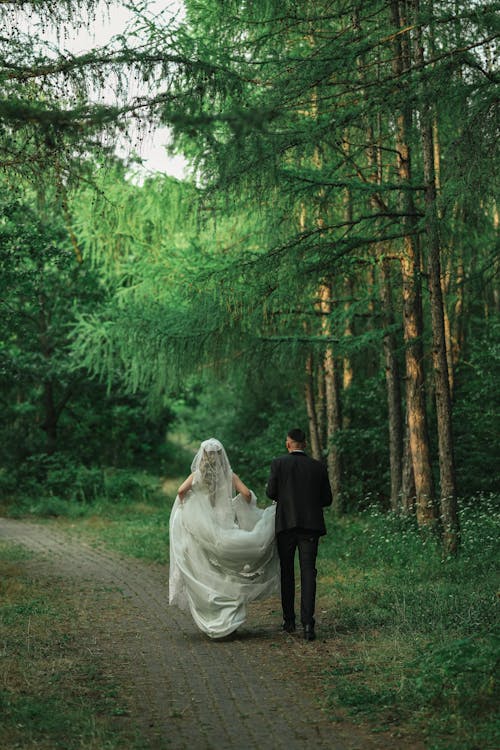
[[256, 690]]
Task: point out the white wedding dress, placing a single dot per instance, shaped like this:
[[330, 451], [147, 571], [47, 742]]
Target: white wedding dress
[[222, 549]]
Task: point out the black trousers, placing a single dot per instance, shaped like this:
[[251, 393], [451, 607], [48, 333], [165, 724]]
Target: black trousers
[[307, 544]]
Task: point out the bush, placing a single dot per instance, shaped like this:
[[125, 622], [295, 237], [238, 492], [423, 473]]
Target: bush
[[42, 475], [53, 486]]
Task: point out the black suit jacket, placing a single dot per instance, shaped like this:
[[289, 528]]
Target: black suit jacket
[[301, 488]]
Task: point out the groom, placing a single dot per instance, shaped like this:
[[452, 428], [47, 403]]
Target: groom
[[300, 486]]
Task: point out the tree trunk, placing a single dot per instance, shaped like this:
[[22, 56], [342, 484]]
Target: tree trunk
[[457, 335], [445, 289], [408, 491], [392, 375], [412, 306], [314, 441], [449, 514], [445, 277], [332, 398], [347, 370], [415, 393], [392, 380], [496, 274], [321, 406], [333, 428]]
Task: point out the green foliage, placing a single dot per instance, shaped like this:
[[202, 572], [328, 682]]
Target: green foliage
[[58, 427], [14, 553], [290, 119], [477, 411], [40, 284], [53, 485], [419, 637], [250, 421], [226, 274], [451, 690]]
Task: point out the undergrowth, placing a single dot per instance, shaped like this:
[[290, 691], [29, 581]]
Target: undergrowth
[[417, 632], [420, 629]]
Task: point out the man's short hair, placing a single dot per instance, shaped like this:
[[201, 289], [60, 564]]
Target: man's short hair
[[297, 435]]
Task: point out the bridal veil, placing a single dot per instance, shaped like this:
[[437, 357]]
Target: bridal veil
[[222, 548]]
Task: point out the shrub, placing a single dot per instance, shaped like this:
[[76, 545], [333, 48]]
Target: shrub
[[53, 486]]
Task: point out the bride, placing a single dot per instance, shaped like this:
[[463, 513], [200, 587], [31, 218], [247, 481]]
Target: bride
[[222, 548]]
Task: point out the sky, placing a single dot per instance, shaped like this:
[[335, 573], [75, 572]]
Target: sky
[[109, 22]]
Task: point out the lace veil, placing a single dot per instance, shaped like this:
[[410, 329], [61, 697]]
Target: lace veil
[[212, 471], [222, 549]]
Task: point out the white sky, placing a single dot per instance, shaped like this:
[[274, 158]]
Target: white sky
[[109, 22]]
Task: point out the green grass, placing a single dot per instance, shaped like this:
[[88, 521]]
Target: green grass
[[14, 553], [53, 693], [137, 529], [418, 632], [415, 633], [132, 518]]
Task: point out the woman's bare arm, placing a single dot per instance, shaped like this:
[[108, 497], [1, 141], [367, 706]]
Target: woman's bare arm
[[241, 488], [185, 487]]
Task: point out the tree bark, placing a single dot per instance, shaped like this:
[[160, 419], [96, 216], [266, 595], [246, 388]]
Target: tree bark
[[445, 288], [347, 370], [412, 304], [496, 275], [314, 440], [332, 398], [321, 406], [408, 491], [392, 375], [448, 493], [458, 336], [392, 379]]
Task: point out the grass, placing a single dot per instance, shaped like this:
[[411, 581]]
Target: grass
[[54, 693], [415, 633], [138, 530], [419, 632], [134, 524]]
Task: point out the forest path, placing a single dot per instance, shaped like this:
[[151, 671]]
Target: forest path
[[256, 690]]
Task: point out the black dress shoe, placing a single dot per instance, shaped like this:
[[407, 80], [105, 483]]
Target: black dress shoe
[[309, 634], [289, 626]]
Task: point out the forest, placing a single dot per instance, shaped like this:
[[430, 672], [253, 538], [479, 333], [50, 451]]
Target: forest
[[330, 261]]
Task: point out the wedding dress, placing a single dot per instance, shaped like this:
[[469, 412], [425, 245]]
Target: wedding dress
[[222, 548]]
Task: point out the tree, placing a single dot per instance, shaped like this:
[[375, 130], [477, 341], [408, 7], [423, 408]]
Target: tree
[[39, 285], [313, 137]]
